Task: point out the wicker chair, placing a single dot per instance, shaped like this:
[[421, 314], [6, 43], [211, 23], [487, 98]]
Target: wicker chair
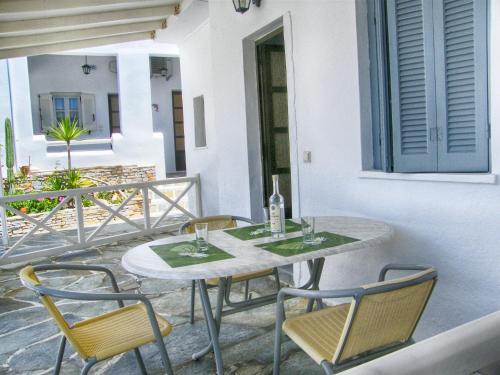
[[104, 336], [380, 318], [225, 222]]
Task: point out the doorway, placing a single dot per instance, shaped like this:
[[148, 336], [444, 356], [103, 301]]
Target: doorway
[[180, 152], [273, 106]]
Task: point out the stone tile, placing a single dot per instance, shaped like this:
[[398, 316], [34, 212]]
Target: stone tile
[[8, 304], [32, 334], [17, 319], [247, 338]]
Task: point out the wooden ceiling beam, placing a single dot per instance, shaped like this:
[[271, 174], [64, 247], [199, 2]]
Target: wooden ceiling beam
[[78, 22], [16, 42], [65, 46]]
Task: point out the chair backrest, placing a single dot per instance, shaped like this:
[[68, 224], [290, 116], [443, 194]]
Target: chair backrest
[[214, 223], [31, 281], [385, 314]]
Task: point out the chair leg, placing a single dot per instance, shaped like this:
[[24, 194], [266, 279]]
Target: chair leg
[[164, 356], [60, 355], [140, 362], [88, 365], [327, 367], [247, 287], [277, 339], [193, 292], [277, 278]]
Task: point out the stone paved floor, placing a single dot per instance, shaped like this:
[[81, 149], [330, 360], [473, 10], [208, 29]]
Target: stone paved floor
[[29, 339]]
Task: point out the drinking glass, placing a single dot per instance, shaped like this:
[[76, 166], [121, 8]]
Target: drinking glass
[[267, 223], [201, 230], [308, 229]]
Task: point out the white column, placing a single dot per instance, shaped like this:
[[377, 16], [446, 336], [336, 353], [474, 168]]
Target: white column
[[26, 144], [137, 144]]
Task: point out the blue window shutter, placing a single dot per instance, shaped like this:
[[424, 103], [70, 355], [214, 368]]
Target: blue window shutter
[[461, 85], [411, 58]]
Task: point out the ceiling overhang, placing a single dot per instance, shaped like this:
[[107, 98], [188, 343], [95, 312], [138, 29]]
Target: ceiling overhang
[[34, 27]]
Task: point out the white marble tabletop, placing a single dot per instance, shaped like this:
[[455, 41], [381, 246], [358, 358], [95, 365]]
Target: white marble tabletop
[[141, 260]]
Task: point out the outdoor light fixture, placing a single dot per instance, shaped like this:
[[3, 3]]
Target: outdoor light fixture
[[241, 6], [87, 68]]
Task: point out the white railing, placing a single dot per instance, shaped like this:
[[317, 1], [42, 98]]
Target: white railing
[[86, 234]]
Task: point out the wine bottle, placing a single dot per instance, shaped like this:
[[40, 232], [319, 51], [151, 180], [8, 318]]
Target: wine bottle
[[277, 211]]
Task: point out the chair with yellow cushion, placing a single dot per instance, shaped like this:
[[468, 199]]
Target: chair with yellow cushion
[[225, 222], [380, 318], [104, 336]]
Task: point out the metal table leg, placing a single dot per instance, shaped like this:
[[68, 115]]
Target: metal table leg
[[317, 270], [213, 324]]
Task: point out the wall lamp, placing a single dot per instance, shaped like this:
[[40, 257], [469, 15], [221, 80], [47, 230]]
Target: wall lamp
[[87, 68], [241, 6]]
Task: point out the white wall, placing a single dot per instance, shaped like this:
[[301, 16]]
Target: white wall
[[4, 102], [60, 73], [138, 143], [163, 122], [453, 226], [196, 71]]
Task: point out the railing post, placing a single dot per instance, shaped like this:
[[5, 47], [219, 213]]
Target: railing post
[[80, 220], [145, 207], [199, 207]]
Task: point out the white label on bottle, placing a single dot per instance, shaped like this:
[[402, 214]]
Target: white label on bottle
[[275, 218]]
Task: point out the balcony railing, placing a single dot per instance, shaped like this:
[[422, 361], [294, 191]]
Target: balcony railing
[[83, 234]]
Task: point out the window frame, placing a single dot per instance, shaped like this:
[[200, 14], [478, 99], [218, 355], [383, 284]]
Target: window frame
[[381, 125], [66, 98]]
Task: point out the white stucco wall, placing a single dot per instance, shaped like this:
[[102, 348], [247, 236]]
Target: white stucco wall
[[60, 73], [161, 94], [196, 71], [450, 225], [4, 99], [137, 144]]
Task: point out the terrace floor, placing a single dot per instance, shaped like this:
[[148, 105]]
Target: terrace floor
[[29, 339]]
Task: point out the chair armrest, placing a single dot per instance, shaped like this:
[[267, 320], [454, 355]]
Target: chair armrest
[[243, 219], [120, 297], [314, 294], [80, 267], [402, 267]]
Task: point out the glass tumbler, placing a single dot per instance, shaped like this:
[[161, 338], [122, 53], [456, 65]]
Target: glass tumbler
[[201, 230], [308, 229]]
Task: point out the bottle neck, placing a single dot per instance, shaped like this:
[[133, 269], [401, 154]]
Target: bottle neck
[[276, 188]]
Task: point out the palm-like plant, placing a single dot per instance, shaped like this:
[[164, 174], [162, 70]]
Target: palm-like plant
[[67, 131]]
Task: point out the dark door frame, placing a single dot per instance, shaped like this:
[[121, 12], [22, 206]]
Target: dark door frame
[[177, 161], [267, 128]]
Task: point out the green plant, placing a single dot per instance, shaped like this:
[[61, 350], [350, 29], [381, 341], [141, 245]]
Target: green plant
[[9, 155], [67, 131]]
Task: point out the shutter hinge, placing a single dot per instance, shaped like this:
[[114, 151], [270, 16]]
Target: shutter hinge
[[489, 130]]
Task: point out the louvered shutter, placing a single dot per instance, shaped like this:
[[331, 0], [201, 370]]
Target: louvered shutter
[[88, 112], [461, 85], [410, 32], [46, 111]]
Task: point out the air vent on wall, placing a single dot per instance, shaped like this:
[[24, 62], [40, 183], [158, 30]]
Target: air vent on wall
[[161, 67]]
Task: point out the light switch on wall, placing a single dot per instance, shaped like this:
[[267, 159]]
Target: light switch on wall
[[307, 156]]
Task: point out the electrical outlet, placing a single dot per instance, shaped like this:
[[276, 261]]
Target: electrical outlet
[[307, 156]]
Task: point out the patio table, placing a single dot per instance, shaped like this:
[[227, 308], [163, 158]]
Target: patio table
[[248, 257]]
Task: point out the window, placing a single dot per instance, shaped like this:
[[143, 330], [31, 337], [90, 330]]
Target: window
[[200, 139], [114, 113], [77, 106], [67, 106], [428, 67]]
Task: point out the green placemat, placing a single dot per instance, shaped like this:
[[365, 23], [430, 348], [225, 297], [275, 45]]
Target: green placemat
[[253, 232], [295, 246], [180, 254]]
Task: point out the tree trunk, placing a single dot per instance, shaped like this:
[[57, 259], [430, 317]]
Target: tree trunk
[[68, 148]]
